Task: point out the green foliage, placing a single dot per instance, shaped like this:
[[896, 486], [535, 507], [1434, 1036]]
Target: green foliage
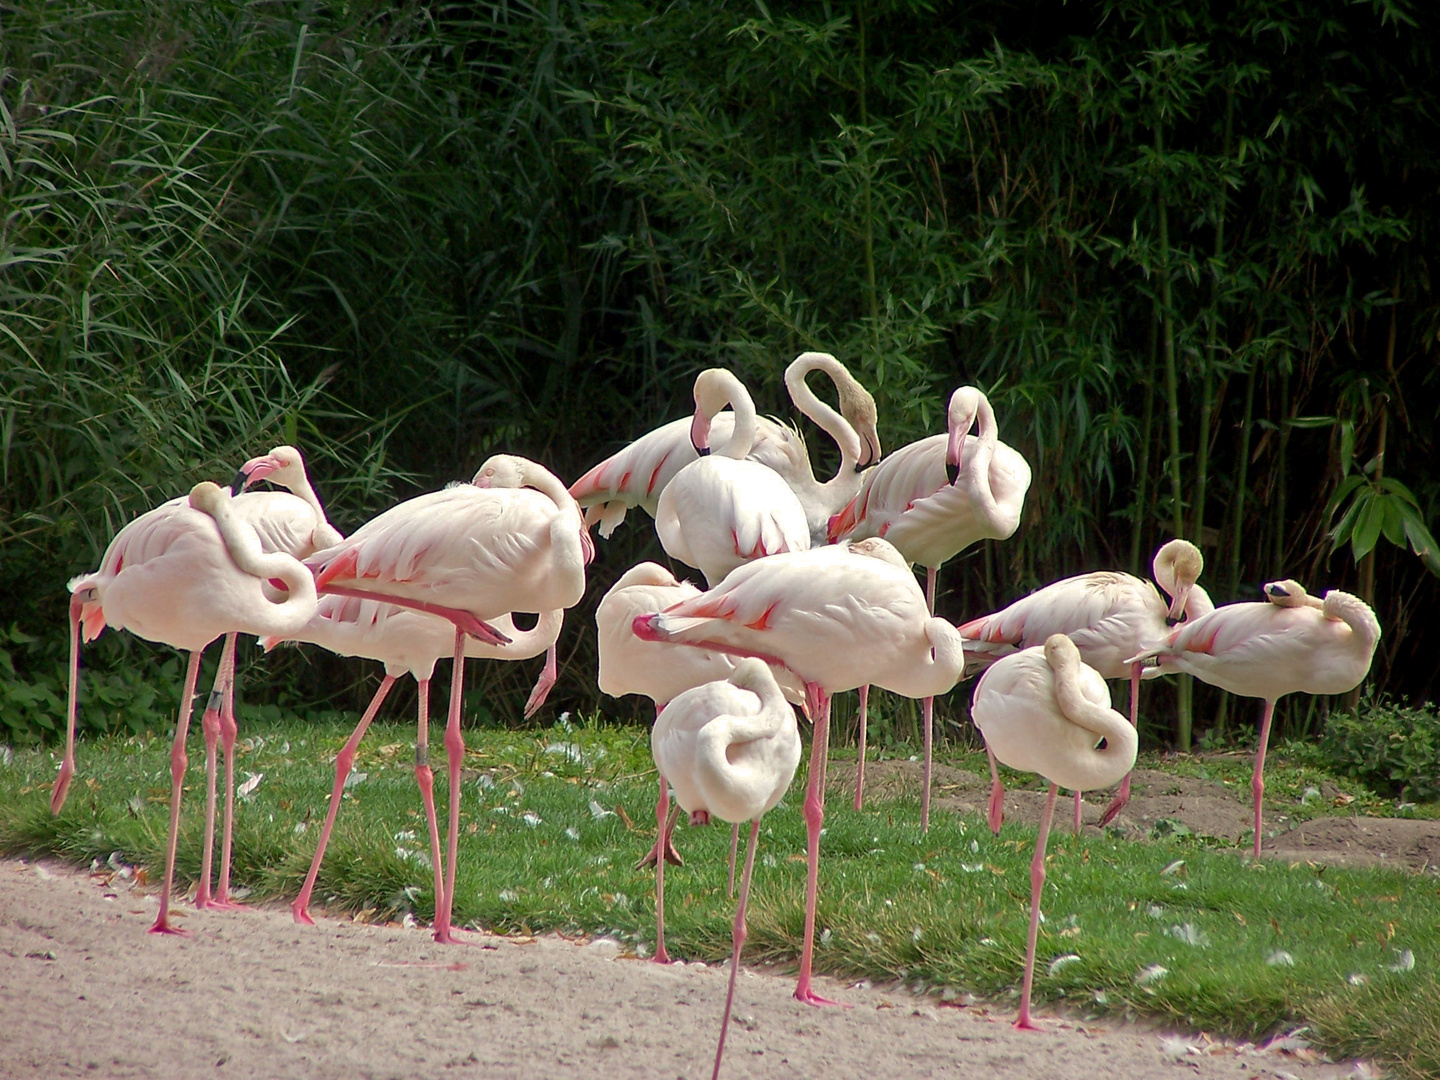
[[1390, 748]]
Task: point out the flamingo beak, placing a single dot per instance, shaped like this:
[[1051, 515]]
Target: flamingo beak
[[870, 442], [1178, 601], [1275, 589], [254, 469], [700, 433], [953, 451]]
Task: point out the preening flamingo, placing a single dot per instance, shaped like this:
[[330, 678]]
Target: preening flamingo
[[721, 510], [730, 750], [932, 499], [660, 671], [1109, 616], [1045, 710], [839, 617], [184, 574], [1294, 643], [406, 641], [637, 474], [510, 540]]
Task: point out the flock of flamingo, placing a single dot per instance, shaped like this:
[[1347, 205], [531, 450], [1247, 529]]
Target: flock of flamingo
[[811, 593]]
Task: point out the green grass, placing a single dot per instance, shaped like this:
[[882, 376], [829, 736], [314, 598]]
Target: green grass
[[553, 821]]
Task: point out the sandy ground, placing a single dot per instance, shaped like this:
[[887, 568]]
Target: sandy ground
[[86, 991]]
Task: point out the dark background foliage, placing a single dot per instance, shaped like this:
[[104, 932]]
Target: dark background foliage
[[1185, 249]]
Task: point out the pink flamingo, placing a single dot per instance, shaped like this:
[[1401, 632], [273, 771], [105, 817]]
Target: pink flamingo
[[406, 641], [730, 749], [1109, 616], [839, 617], [721, 510], [184, 574], [637, 474], [660, 671], [1295, 643], [1045, 710], [932, 499], [510, 540]]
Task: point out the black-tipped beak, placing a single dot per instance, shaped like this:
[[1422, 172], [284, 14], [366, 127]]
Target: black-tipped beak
[[703, 451], [238, 484], [952, 472], [1276, 590]]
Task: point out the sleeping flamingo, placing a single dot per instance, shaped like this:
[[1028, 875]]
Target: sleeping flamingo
[[1045, 710], [1109, 616], [730, 750], [721, 510], [932, 499], [510, 540], [406, 641], [1294, 643], [637, 474], [660, 671], [184, 574], [839, 617]]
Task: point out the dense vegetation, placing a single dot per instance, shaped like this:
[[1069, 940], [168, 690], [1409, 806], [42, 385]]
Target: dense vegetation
[[1185, 249]]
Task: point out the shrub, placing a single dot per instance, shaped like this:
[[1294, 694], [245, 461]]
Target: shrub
[[1393, 749]]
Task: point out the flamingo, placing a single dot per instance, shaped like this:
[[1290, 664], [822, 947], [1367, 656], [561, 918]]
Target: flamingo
[[730, 748], [1045, 710], [1295, 643], [637, 474], [406, 641], [1109, 616], [659, 671], [510, 540], [932, 499], [184, 574], [839, 617], [721, 510]]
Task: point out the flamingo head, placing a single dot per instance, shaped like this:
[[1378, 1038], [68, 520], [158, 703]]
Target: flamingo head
[[86, 607], [1289, 593], [857, 405], [964, 407], [279, 465], [1177, 566], [503, 471]]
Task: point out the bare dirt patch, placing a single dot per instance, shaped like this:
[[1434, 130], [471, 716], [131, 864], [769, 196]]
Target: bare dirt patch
[[87, 992], [1205, 807]]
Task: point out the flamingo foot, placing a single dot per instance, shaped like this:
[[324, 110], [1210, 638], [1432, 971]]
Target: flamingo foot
[[227, 904], [996, 808], [447, 936], [807, 996], [162, 926], [301, 913], [661, 956], [1024, 1023], [1112, 811], [671, 855], [61, 788]]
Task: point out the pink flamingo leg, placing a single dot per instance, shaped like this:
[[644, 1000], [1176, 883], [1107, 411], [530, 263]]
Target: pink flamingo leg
[[1257, 781], [61, 787], [662, 809], [464, 621], [210, 726], [996, 815], [814, 818], [1079, 806], [425, 780], [455, 757], [543, 685], [734, 850], [344, 761], [665, 839], [228, 731], [738, 935], [1037, 882], [1118, 803], [927, 711], [860, 757], [178, 763]]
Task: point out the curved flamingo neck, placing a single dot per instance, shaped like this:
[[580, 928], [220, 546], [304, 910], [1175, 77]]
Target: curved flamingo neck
[[1121, 740], [827, 419], [1354, 613], [714, 389], [243, 544]]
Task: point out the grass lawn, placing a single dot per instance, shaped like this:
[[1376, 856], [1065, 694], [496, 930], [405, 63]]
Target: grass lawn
[[554, 820]]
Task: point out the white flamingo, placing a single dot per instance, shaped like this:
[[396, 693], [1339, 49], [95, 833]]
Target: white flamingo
[[932, 499], [184, 574], [721, 510], [1045, 711], [839, 617], [510, 540], [410, 642], [637, 474], [729, 749], [1109, 616], [1294, 643]]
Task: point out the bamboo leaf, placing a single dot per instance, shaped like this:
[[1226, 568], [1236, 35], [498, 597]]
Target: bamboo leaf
[[1421, 540], [1367, 527], [1342, 492]]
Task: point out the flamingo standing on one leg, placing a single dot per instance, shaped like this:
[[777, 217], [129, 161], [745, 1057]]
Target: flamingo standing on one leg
[[406, 641], [1044, 710], [839, 617], [1109, 616], [637, 474], [932, 499], [730, 749], [660, 671], [184, 574], [510, 540], [1295, 643]]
